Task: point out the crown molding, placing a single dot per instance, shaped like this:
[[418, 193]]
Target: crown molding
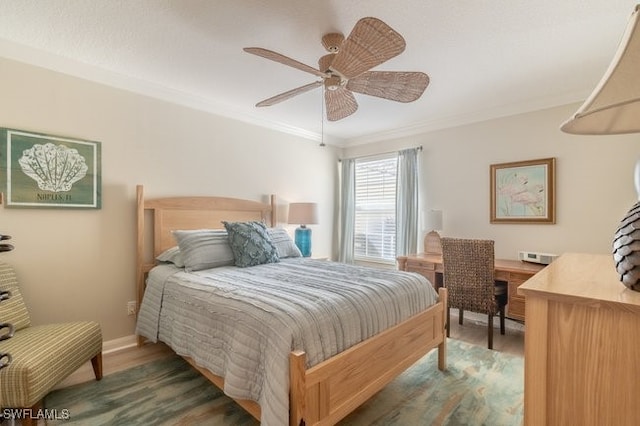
[[469, 118], [57, 63], [47, 60]]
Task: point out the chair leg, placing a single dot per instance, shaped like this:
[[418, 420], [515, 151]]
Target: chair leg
[[502, 320], [96, 363], [460, 315], [448, 321], [490, 332]]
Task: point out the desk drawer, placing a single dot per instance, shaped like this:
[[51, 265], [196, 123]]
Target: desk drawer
[[520, 276], [515, 308], [513, 276], [513, 289], [502, 275], [420, 264], [516, 302]]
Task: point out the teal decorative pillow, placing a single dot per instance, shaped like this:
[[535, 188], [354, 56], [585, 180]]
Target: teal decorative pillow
[[251, 243]]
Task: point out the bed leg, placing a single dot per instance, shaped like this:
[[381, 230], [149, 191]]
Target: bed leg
[[297, 387], [442, 347]]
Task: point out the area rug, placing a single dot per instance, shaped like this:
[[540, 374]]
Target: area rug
[[479, 387]]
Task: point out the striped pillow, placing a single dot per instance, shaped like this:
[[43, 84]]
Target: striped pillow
[[283, 242], [204, 248], [171, 255]]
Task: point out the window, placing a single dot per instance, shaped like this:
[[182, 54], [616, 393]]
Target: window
[[375, 209]]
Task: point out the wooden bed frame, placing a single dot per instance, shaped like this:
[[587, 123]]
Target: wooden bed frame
[[329, 391]]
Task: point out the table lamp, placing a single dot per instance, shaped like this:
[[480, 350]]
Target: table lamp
[[303, 214], [614, 108]]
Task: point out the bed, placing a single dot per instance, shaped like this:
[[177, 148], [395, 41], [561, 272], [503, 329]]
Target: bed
[[319, 391]]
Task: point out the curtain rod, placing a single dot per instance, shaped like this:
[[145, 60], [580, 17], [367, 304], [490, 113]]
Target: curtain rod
[[419, 148]]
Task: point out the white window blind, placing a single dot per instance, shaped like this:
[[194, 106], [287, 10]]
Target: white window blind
[[375, 209]]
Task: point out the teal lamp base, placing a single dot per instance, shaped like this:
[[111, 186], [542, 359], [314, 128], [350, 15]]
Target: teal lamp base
[[303, 240]]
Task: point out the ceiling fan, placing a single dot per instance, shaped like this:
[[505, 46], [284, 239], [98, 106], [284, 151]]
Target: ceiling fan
[[346, 69]]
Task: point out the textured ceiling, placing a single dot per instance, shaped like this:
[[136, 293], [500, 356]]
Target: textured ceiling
[[485, 58]]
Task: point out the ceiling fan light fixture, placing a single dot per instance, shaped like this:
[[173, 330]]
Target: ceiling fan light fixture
[[332, 42], [332, 83]]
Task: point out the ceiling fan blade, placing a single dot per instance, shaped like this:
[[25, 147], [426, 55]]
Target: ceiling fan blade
[[370, 43], [289, 94], [340, 103], [393, 85], [277, 57]]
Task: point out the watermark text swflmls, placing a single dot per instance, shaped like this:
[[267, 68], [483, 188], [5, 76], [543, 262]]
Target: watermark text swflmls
[[29, 413]]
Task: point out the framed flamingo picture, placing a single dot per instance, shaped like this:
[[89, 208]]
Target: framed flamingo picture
[[523, 192], [47, 171]]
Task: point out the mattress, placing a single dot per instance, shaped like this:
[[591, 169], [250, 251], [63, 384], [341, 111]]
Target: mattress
[[242, 323]]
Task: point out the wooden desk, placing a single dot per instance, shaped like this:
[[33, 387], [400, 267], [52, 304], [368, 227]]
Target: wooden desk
[[581, 347], [513, 272]]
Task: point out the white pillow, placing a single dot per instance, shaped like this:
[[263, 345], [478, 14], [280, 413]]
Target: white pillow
[[204, 248], [283, 242]]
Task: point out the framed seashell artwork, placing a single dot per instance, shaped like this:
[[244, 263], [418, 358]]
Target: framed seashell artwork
[[46, 171]]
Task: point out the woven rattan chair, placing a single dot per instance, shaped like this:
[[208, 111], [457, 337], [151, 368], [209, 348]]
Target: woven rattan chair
[[40, 355], [469, 278]]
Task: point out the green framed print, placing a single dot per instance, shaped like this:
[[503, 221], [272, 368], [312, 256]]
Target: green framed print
[[523, 192], [45, 171]]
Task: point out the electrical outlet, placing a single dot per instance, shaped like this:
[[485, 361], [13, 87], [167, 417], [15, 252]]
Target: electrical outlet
[[131, 307]]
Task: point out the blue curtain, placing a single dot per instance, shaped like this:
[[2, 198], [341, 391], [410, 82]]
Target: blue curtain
[[347, 210], [407, 202]]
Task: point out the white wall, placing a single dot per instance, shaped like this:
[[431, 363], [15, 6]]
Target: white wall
[[594, 180], [80, 264]]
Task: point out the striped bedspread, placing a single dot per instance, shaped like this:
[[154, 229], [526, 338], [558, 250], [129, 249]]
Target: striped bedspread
[[241, 323]]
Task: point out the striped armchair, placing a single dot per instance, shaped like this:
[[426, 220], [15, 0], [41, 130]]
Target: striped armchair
[[469, 276], [43, 355]]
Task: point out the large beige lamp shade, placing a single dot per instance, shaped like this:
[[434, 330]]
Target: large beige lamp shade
[[614, 105], [303, 213], [614, 108]]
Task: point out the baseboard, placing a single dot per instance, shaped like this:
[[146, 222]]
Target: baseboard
[[119, 344]]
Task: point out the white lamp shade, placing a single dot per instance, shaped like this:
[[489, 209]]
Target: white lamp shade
[[614, 105], [303, 213]]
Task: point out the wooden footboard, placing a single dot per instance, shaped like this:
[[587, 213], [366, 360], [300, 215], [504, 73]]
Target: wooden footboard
[[327, 392]]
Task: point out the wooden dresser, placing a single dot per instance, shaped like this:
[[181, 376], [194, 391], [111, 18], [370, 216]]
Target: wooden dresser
[[582, 345], [513, 272]]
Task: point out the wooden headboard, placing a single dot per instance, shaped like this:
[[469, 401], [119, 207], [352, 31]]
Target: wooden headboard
[[158, 217]]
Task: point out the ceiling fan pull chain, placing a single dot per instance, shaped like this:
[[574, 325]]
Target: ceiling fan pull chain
[[321, 120]]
